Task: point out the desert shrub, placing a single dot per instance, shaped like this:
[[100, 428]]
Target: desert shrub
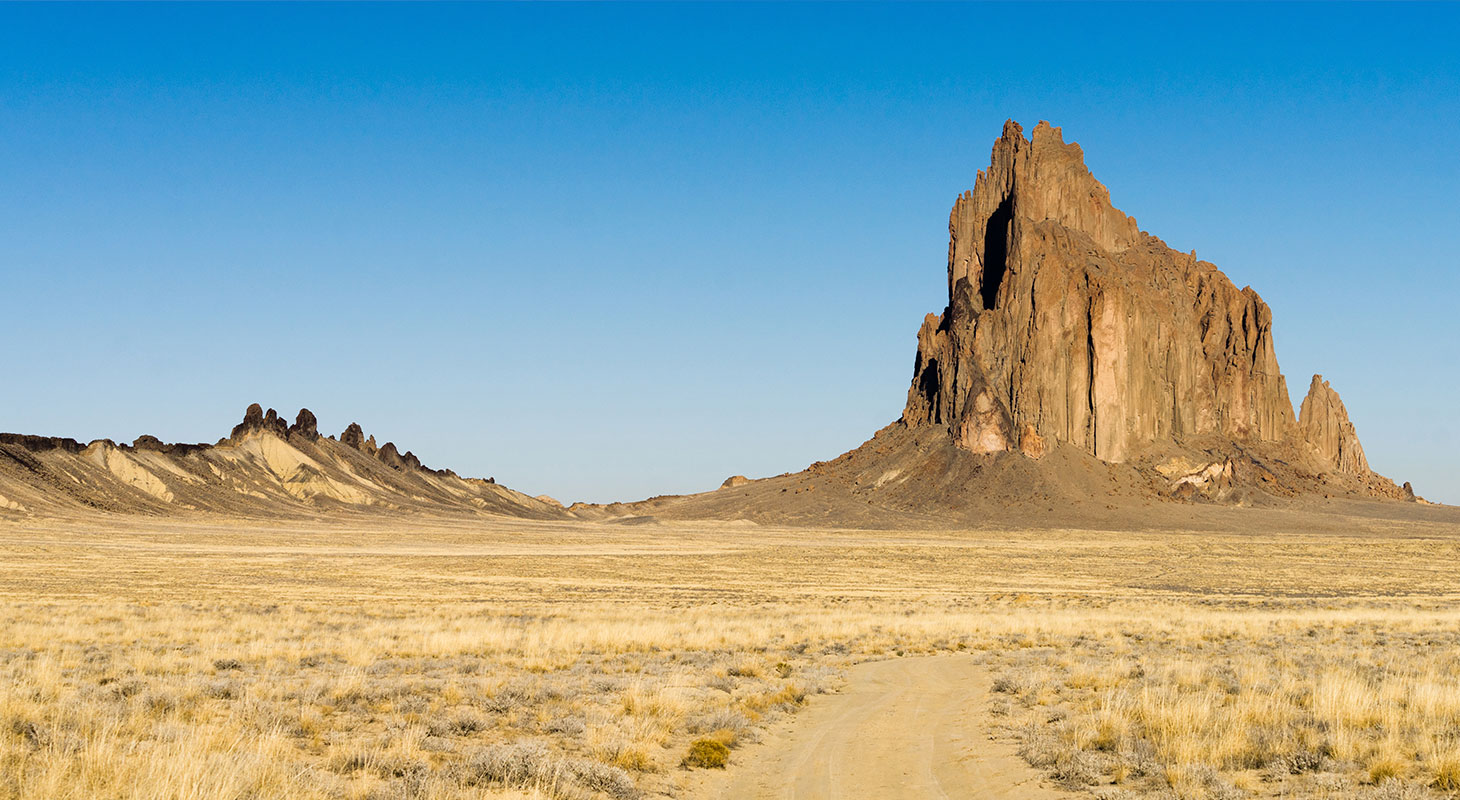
[[818, 679], [516, 764], [1076, 769], [466, 721], [786, 698], [160, 702], [532, 764], [725, 719], [31, 733], [227, 664], [635, 758], [1008, 683], [222, 690], [722, 682], [514, 694], [566, 726], [1037, 746], [744, 668], [707, 753], [127, 687], [1300, 762], [1395, 789], [599, 777]]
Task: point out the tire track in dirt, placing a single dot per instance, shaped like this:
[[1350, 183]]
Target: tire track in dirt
[[904, 729]]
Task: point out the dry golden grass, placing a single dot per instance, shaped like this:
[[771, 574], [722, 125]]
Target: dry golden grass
[[446, 659]]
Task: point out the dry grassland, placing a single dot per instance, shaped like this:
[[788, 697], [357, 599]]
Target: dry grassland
[[450, 659]]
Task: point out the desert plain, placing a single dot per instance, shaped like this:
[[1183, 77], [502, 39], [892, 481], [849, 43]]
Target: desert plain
[[1305, 653]]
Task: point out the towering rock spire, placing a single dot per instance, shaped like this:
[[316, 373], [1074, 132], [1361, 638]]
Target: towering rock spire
[[1325, 427], [1067, 324]]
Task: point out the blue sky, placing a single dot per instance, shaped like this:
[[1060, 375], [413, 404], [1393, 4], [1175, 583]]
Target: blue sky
[[608, 251]]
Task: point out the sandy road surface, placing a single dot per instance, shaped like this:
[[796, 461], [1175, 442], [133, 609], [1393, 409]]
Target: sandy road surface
[[904, 728]]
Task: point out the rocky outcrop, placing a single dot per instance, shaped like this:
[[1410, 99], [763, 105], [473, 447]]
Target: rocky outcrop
[[255, 420], [734, 482], [353, 436], [395, 459], [1066, 324], [1324, 424], [40, 444], [387, 453], [305, 425]]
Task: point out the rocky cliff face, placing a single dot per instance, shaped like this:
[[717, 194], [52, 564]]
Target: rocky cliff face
[[1068, 325]]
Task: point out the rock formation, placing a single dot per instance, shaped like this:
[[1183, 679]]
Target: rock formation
[[254, 419], [1068, 325], [262, 469], [1325, 427], [305, 425], [353, 436]]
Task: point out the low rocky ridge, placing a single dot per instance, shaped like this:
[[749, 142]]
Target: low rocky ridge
[[1079, 360], [264, 468]]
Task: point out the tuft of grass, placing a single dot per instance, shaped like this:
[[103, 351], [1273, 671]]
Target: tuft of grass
[[1386, 767], [1445, 771]]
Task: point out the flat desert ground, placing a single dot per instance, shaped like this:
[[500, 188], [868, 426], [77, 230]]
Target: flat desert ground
[[1265, 655]]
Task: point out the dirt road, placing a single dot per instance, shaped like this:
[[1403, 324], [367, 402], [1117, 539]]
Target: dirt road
[[913, 728]]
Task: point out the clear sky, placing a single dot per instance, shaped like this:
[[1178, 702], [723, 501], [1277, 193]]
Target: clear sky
[[605, 251]]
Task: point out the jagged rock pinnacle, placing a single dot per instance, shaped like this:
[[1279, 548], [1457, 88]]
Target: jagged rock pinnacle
[[1066, 324], [1324, 423], [305, 425]]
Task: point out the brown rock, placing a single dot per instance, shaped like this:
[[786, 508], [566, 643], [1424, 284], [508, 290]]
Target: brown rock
[[734, 481], [41, 444], [1067, 323], [390, 456], [255, 419], [1324, 424], [355, 437], [1031, 443], [305, 425]]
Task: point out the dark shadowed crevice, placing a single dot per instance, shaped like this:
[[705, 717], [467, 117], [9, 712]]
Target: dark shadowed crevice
[[929, 383], [996, 251], [1090, 375]]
